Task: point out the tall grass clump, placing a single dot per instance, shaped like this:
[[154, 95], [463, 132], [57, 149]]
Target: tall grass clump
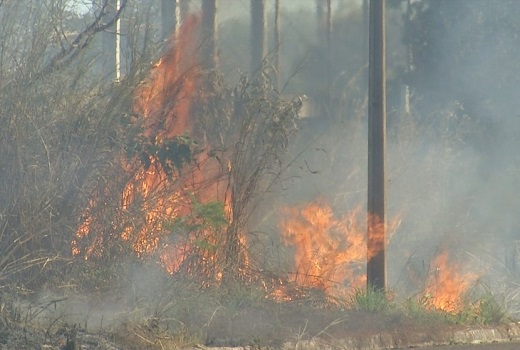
[[369, 299]]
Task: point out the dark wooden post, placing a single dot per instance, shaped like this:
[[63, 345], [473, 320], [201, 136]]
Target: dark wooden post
[[376, 235]]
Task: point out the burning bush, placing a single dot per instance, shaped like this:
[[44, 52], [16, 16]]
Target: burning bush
[[199, 156]]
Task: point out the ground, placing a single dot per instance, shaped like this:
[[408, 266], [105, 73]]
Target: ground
[[156, 313], [260, 328]]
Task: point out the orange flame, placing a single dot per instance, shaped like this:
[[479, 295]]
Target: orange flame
[[164, 103], [329, 252], [448, 283], [153, 198]]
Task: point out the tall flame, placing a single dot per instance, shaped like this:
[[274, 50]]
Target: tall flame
[[165, 100], [153, 197], [177, 213], [164, 103]]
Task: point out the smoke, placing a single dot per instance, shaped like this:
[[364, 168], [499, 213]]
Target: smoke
[[452, 163], [456, 179]]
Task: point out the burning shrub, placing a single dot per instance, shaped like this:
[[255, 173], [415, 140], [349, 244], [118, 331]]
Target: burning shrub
[[200, 154]]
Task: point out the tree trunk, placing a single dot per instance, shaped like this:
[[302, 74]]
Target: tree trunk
[[277, 48], [328, 55], [376, 235], [111, 44], [409, 65], [329, 35], [170, 18], [258, 42], [209, 59], [319, 20], [324, 35]]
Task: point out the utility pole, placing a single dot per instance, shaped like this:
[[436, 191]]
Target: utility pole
[[376, 224]]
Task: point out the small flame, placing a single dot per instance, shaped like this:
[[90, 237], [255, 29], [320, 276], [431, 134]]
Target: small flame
[[448, 283]]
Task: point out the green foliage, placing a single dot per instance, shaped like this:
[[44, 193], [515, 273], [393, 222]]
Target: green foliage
[[490, 311], [420, 310], [369, 299], [416, 307], [210, 215]]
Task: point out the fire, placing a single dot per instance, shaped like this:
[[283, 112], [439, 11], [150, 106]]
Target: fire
[[162, 189], [330, 254], [329, 251], [164, 103], [448, 283], [165, 99]]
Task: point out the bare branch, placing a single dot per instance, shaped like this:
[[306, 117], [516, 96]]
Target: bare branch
[[83, 39]]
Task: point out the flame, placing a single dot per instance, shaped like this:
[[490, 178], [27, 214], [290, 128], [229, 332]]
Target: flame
[[153, 197], [448, 283], [329, 252], [157, 215], [165, 100]]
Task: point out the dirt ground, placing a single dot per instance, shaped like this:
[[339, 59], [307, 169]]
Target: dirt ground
[[247, 333], [252, 327], [266, 325]]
